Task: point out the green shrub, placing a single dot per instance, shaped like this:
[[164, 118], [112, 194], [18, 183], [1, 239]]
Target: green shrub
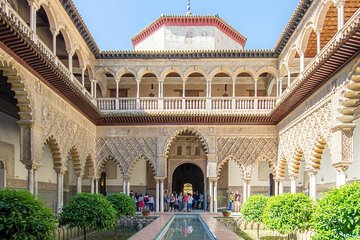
[[88, 210], [123, 204], [288, 212], [253, 209], [24, 217], [337, 214]]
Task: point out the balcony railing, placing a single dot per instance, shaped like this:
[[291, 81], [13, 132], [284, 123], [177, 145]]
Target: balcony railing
[[238, 104], [6, 8]]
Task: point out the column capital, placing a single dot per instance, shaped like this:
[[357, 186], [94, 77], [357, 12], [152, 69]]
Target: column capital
[[312, 172], [338, 3], [214, 179], [341, 167], [160, 178], [246, 179], [343, 127]]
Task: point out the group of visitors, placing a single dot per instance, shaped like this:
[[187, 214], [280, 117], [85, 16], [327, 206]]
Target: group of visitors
[[143, 201], [236, 199], [183, 202]]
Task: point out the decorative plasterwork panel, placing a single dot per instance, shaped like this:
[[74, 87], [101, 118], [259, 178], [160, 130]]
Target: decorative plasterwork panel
[[126, 150], [67, 133], [305, 132], [246, 150]]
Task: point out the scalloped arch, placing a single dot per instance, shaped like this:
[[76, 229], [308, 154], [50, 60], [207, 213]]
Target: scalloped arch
[[102, 163], [19, 87], [141, 158], [224, 161], [190, 131]]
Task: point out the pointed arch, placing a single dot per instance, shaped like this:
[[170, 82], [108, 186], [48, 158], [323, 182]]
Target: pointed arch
[[141, 158], [189, 131], [90, 166], [290, 56], [102, 163], [294, 166], [351, 97], [317, 153], [55, 152], [80, 55], [74, 153], [224, 161], [271, 162], [19, 87]]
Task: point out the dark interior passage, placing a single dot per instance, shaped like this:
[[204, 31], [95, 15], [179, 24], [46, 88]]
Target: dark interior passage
[[188, 173]]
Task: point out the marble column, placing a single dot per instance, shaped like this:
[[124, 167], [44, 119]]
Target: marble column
[[293, 184], [281, 186], [161, 195], [83, 76], [70, 62], [54, 35], [215, 196], [276, 181], [124, 186], [248, 192], [157, 196], [318, 41], [128, 187], [244, 191], [32, 17], [79, 184], [30, 179], [211, 207], [60, 190], [302, 61], [92, 186], [341, 174], [340, 10], [288, 78], [312, 184], [96, 186]]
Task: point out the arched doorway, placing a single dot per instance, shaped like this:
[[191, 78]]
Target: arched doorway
[[190, 176]]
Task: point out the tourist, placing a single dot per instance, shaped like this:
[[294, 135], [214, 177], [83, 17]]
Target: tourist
[[146, 200], [190, 203], [166, 202], [172, 200], [141, 202], [208, 199], [231, 199], [201, 201], [180, 200], [151, 203], [196, 199], [237, 201], [176, 202], [186, 198]]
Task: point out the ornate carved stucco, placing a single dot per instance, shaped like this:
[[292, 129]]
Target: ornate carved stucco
[[127, 150], [304, 133], [68, 133], [245, 151]]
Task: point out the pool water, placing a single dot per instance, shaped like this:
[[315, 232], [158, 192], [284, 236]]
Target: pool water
[[186, 226]]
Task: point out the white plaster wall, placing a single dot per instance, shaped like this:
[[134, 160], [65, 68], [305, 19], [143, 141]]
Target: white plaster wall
[[138, 177], [327, 173], [354, 170], [177, 38], [235, 176], [155, 41], [46, 172], [10, 133], [117, 181]]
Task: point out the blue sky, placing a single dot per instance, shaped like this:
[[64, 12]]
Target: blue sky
[[114, 22]]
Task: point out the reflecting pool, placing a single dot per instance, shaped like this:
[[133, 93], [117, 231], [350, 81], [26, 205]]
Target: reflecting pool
[[186, 226]]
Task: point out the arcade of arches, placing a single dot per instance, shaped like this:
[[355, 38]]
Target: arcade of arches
[[75, 119]]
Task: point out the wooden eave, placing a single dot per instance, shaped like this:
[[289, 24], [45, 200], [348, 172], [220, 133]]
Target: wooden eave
[[24, 50]]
